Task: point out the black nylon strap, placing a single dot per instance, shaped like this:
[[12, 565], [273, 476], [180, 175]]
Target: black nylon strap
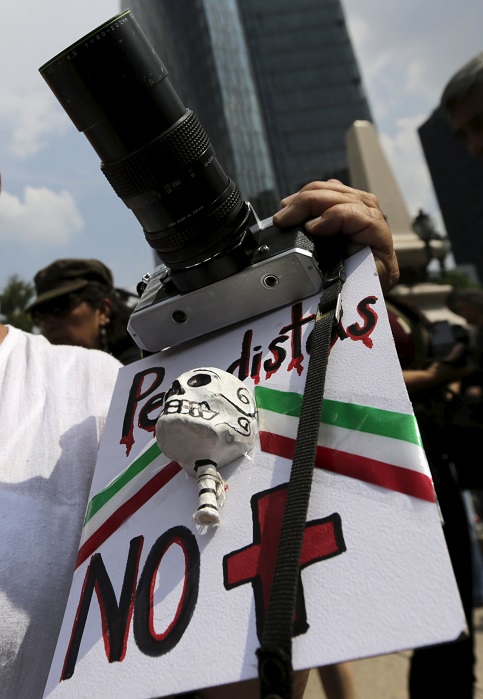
[[274, 655]]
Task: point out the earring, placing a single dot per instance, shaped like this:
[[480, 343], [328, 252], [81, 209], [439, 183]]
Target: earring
[[103, 340]]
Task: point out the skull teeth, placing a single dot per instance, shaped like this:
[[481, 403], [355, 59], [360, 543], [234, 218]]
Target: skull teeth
[[175, 406]]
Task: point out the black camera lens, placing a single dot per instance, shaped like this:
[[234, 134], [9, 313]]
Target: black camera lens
[[153, 151]]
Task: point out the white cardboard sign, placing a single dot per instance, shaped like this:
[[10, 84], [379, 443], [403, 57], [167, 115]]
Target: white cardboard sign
[[160, 605]]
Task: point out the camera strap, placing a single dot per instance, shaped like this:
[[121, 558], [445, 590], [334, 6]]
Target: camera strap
[[275, 670]]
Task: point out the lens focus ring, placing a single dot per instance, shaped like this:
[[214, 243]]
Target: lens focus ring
[[206, 232], [176, 149], [208, 221]]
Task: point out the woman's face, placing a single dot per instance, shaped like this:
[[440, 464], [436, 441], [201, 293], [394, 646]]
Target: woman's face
[[71, 321]]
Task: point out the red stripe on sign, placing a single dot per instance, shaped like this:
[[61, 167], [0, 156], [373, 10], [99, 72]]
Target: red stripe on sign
[[126, 510], [402, 480]]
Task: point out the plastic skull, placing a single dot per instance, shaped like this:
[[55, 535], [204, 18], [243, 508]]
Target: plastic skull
[[208, 419]]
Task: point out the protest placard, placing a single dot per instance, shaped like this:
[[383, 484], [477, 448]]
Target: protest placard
[[160, 605]]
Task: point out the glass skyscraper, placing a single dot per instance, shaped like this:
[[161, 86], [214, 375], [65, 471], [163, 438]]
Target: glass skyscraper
[[308, 83], [274, 83]]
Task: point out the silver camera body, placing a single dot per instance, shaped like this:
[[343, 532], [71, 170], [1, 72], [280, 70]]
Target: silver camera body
[[283, 270]]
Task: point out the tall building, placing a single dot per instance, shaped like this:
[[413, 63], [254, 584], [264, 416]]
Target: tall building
[[274, 83], [458, 183]]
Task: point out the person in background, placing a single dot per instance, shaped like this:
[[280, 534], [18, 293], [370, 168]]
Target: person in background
[[77, 304], [53, 407], [448, 667], [462, 104], [468, 303], [338, 681]]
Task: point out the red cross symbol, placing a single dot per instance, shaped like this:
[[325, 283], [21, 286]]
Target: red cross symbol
[[255, 563]]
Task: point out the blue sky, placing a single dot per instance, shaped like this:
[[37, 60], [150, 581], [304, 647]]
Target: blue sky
[[55, 202]]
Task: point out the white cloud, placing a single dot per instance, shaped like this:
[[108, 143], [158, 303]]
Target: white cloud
[[32, 118], [404, 152], [407, 51], [28, 39], [42, 216]]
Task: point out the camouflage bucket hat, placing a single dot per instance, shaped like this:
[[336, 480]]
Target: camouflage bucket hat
[[66, 276]]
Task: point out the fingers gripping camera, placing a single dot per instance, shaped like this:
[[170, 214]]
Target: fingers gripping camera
[[208, 419]]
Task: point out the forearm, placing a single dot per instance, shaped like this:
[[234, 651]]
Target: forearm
[[434, 376]]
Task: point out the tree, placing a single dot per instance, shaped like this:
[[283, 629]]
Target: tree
[[13, 300]]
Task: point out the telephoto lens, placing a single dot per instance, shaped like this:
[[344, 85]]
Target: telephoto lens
[[219, 263], [154, 152]]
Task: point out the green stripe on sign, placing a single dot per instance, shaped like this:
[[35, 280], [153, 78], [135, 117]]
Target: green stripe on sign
[[131, 472], [362, 418]]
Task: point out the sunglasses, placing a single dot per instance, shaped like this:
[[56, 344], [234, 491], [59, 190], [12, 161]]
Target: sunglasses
[[60, 306]]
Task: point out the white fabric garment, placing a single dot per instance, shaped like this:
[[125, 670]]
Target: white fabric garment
[[53, 406]]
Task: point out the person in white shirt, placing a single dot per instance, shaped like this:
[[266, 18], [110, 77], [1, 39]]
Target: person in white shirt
[[54, 402]]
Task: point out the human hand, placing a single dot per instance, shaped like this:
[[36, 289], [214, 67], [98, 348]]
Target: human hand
[[440, 373], [328, 208], [436, 375]]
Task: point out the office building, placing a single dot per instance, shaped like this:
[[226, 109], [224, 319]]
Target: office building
[[274, 83]]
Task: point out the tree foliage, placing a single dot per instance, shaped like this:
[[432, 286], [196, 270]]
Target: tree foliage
[[13, 300]]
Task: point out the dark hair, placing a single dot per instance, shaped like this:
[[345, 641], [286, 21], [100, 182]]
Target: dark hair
[[118, 341], [461, 84]]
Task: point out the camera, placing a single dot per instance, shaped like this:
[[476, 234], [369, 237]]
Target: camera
[[219, 263]]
